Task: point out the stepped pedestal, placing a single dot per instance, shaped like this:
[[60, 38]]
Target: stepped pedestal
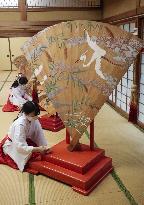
[[52, 123], [83, 170]]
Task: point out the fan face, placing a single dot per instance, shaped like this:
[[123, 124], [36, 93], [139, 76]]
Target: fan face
[[22, 64], [79, 63]]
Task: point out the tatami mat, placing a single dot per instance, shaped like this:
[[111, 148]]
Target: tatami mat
[[12, 76], [3, 75], [5, 93], [14, 187], [121, 140], [6, 119], [1, 83], [125, 144], [52, 192]]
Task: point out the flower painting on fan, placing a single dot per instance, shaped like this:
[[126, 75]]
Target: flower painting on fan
[[79, 63]]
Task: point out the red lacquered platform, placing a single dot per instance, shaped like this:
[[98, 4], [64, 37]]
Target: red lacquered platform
[[83, 170], [52, 123]]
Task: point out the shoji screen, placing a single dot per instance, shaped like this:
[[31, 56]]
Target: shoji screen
[[121, 95]]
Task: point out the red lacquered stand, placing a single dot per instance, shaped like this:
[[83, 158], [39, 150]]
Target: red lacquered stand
[[52, 123], [83, 170]]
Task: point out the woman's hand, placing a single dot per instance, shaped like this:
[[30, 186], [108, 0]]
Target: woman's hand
[[41, 149]]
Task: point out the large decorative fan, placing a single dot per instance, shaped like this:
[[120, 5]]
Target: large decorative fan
[[79, 63], [24, 68], [22, 64]]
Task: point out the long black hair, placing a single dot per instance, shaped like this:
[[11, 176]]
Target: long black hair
[[30, 107], [20, 81]]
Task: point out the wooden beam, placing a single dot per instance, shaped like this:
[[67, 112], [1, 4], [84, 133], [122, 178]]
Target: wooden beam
[[116, 108], [9, 9], [140, 10], [24, 24], [22, 4], [45, 9], [141, 125], [124, 114], [23, 28], [137, 72], [138, 60], [138, 2], [120, 17], [51, 9], [130, 15]]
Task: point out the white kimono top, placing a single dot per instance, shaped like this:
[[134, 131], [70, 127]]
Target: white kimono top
[[17, 148], [18, 96]]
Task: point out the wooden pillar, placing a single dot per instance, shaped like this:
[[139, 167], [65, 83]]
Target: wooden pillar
[[67, 137], [137, 5], [92, 135], [134, 103], [22, 4]]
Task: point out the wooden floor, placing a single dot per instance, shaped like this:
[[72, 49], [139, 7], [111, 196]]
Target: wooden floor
[[121, 140]]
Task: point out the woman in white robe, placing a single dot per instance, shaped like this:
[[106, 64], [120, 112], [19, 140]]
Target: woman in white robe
[[25, 127], [18, 95]]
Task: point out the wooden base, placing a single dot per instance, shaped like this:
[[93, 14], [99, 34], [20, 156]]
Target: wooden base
[[83, 170]]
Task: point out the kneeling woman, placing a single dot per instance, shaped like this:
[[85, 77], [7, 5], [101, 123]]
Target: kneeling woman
[[25, 141], [18, 95]]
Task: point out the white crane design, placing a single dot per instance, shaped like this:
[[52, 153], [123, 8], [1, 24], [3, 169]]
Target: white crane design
[[98, 53]]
